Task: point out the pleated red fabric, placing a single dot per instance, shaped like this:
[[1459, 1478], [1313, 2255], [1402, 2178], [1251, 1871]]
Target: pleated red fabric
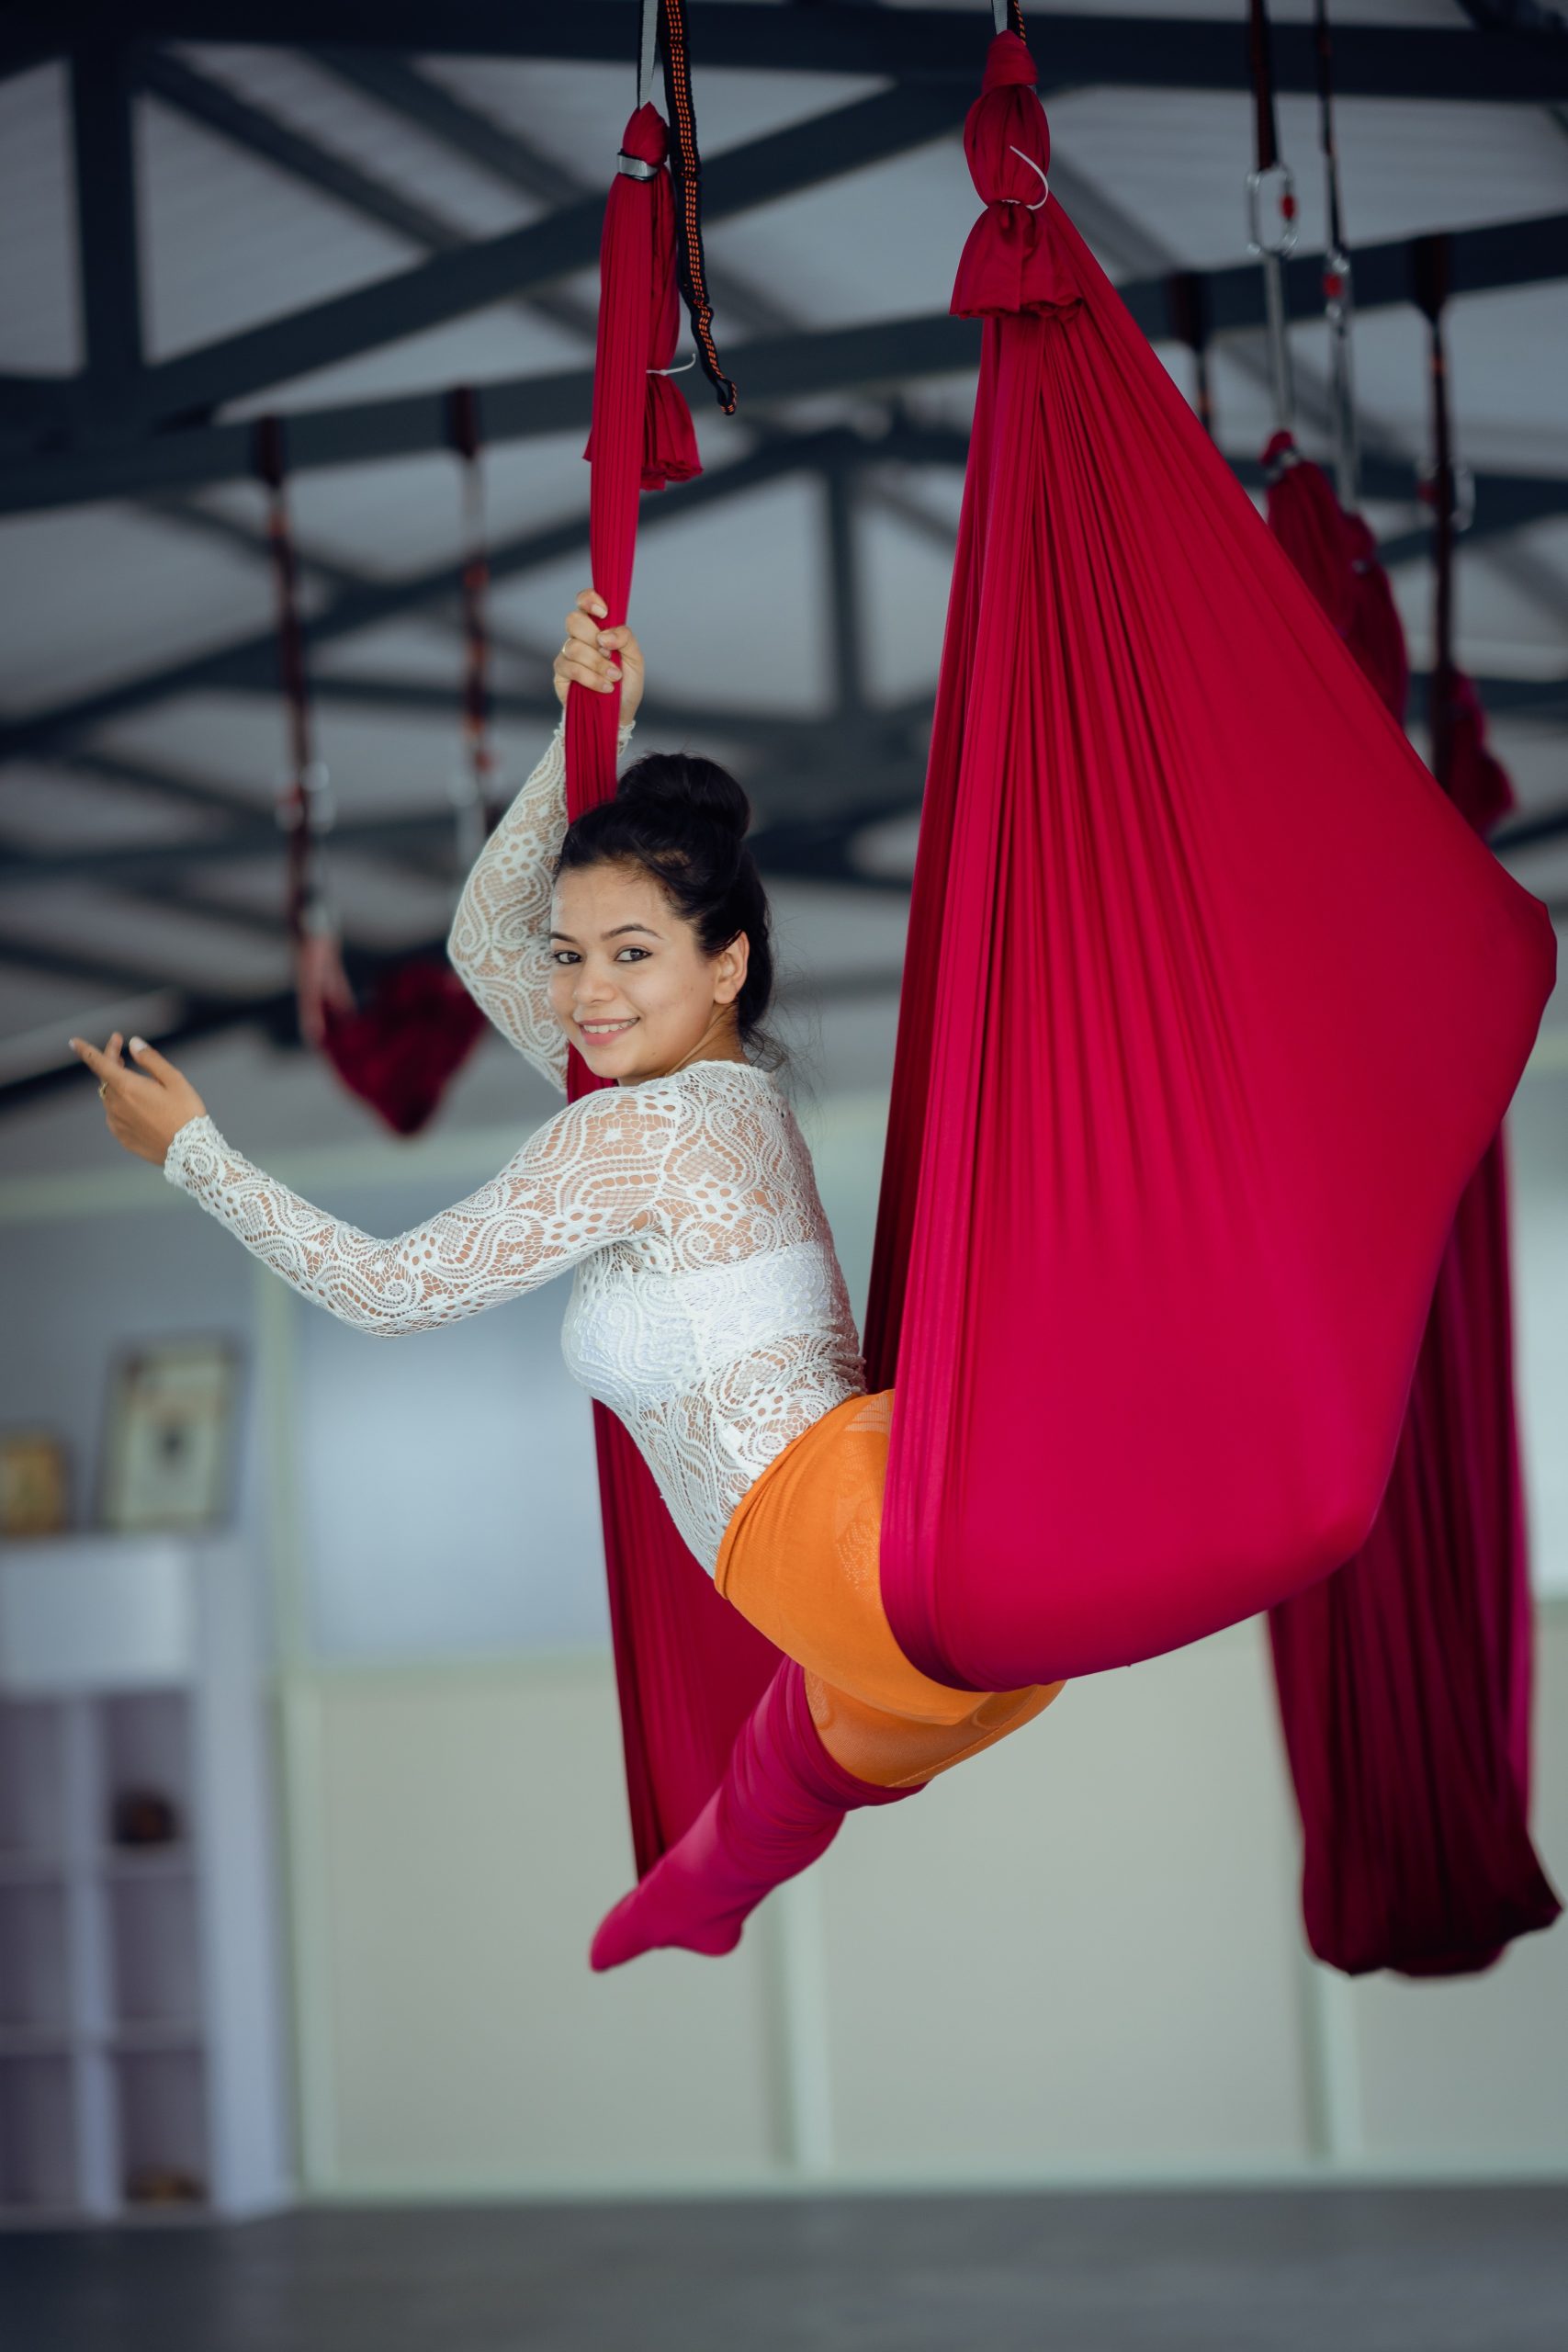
[[688, 1669], [1213, 1003]]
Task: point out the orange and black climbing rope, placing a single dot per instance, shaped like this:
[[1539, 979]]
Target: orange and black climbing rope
[[686, 171]]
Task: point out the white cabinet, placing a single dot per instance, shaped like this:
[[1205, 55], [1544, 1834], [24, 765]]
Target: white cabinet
[[142, 2055]]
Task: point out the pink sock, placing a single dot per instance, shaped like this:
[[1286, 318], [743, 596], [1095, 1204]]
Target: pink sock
[[777, 1808]]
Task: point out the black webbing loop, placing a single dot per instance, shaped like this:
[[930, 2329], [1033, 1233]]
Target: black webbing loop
[[1271, 247], [646, 46], [1187, 307], [1260, 65], [686, 173], [302, 808], [475, 815], [1431, 266], [1337, 294], [1322, 44]]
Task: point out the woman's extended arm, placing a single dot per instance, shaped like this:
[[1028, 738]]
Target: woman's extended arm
[[500, 939], [586, 1177]]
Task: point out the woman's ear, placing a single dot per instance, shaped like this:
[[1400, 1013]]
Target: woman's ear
[[730, 967]]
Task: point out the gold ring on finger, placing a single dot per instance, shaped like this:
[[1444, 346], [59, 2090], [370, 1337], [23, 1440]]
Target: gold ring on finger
[[103, 1089]]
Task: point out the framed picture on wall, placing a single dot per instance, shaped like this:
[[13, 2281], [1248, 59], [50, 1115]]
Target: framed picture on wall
[[168, 1447], [33, 1482]]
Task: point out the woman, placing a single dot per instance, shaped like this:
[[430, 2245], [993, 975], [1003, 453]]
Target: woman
[[708, 1309]]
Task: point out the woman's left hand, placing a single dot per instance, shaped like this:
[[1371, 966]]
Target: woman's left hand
[[145, 1106]]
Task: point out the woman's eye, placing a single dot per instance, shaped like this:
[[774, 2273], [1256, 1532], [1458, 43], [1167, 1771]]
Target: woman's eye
[[631, 951]]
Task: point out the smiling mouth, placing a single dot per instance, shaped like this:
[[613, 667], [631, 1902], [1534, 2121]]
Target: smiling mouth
[[604, 1028]]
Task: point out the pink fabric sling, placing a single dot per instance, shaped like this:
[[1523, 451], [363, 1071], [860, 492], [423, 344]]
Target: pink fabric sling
[[1213, 1002]]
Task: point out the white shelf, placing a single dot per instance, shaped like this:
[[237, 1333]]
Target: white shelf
[[141, 2014], [96, 1613]]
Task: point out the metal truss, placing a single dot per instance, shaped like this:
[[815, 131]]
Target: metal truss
[[834, 37], [123, 428]]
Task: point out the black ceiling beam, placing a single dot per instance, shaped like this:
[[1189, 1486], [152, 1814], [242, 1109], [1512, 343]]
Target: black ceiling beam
[[817, 777], [248, 662], [491, 269], [108, 267], [1530, 833], [416, 696], [48, 960], [936, 44], [891, 352], [203, 1015], [251, 661], [217, 108], [274, 1013]]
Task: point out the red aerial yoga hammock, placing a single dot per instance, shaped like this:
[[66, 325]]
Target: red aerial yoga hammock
[[1405, 1679], [688, 1669], [1213, 1002]]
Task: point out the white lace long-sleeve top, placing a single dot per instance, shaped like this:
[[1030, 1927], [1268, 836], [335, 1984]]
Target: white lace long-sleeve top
[[708, 1309]]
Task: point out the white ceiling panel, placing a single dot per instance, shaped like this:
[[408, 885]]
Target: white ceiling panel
[[182, 950], [488, 347], [381, 143], [727, 604], [575, 113], [229, 241], [97, 593], [38, 314], [59, 806]]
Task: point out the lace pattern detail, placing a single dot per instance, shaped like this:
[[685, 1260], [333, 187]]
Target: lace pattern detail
[[709, 1310], [500, 939]]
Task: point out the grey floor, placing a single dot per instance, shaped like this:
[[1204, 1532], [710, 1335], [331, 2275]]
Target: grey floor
[[1342, 2270]]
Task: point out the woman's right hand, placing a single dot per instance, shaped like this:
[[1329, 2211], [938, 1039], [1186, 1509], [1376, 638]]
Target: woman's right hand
[[597, 658]]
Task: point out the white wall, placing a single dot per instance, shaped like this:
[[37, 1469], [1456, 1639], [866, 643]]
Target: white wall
[[1077, 1958]]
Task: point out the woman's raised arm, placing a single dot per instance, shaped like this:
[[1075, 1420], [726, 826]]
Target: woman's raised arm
[[500, 939], [589, 1176]]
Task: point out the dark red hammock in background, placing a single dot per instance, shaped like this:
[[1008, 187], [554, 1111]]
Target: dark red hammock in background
[[1405, 1680], [398, 1051], [1212, 1005]]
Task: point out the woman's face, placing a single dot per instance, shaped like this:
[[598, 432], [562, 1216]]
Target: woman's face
[[629, 983]]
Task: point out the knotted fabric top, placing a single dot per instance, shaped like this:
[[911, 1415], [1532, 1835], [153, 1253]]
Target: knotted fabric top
[[668, 438], [1012, 260]]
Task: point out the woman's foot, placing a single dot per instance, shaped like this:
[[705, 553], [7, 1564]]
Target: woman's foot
[[779, 1805], [697, 1897]]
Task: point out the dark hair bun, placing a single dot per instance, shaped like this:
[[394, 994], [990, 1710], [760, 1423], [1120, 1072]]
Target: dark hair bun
[[683, 820], [688, 786]]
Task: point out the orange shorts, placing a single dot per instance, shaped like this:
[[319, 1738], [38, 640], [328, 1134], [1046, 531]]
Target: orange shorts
[[800, 1559]]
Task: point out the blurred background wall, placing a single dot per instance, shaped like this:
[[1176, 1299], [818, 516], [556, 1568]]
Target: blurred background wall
[[1080, 1959]]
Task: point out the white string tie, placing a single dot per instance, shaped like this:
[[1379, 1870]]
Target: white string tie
[[1045, 183]]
